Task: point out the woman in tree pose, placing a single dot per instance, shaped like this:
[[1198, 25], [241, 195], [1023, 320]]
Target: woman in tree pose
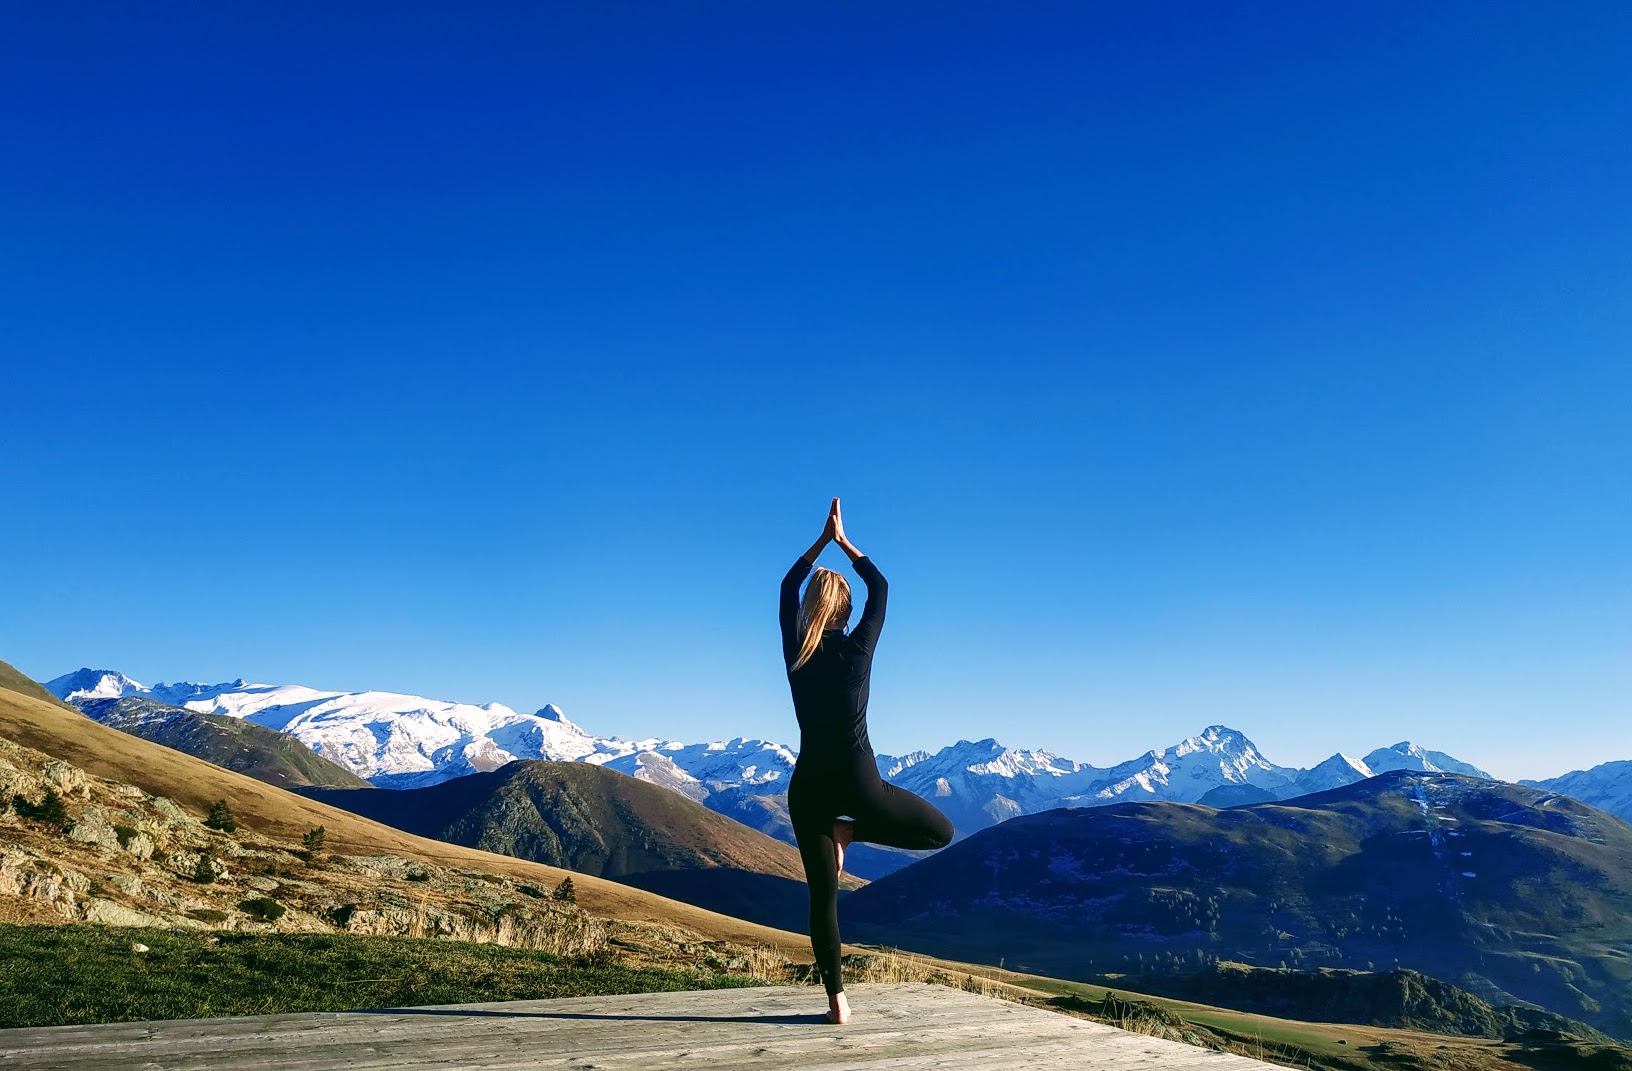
[[836, 795]]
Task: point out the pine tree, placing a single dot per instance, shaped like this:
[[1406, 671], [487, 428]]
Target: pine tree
[[220, 817], [565, 892], [312, 839]]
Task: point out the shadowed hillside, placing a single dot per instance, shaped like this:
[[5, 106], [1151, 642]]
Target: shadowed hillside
[[598, 821], [262, 753], [1398, 998], [1512, 893]]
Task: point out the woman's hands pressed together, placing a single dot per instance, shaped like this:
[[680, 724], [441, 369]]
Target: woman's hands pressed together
[[832, 532]]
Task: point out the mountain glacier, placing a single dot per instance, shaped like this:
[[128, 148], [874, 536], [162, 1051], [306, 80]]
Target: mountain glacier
[[405, 741]]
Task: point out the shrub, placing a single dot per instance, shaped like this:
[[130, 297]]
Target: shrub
[[126, 834], [50, 810], [264, 908], [341, 916], [532, 890], [220, 817], [312, 840], [565, 892], [418, 873], [206, 871]]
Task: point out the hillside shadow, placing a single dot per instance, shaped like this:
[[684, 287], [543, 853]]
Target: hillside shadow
[[767, 899], [774, 1020]]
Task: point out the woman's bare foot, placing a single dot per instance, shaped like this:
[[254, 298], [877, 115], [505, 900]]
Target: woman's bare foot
[[843, 833], [838, 1009]]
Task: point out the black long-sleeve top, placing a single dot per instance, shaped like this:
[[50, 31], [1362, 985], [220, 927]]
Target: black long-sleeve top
[[830, 690]]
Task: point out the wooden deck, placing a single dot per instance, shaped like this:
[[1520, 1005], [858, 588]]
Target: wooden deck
[[895, 1027]]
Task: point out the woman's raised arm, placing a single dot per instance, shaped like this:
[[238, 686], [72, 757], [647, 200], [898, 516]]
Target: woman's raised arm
[[788, 610], [878, 590]]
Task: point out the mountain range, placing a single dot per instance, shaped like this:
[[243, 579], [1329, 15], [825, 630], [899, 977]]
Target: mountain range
[[395, 740]]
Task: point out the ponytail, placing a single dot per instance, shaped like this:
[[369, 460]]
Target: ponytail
[[827, 599]]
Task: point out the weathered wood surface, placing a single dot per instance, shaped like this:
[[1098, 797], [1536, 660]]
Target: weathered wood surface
[[895, 1027]]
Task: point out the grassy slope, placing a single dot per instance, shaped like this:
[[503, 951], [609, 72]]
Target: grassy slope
[[67, 734], [47, 973], [262, 753], [14, 680]]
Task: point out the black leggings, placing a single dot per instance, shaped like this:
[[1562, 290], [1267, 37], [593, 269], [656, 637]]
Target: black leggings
[[882, 813]]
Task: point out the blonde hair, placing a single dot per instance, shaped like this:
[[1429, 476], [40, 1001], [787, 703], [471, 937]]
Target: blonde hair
[[826, 602]]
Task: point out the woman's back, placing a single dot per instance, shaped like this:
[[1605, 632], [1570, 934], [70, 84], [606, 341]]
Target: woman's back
[[830, 690]]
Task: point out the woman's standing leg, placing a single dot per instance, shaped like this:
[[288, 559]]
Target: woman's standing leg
[[813, 829], [822, 875]]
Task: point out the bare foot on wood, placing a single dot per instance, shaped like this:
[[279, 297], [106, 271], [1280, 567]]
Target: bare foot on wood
[[838, 1009], [843, 833]]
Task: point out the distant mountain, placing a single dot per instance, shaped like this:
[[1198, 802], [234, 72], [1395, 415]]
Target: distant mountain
[[264, 754], [1607, 786], [1407, 756], [982, 783], [586, 818], [83, 684], [404, 741], [1513, 893]]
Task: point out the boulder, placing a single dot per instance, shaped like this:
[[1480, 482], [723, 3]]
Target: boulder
[[129, 884], [93, 827], [69, 779], [173, 812], [140, 845], [109, 913]]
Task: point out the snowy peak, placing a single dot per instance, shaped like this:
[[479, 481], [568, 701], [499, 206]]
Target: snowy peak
[[980, 758], [1335, 772], [1607, 786], [1408, 756], [86, 684], [1187, 771]]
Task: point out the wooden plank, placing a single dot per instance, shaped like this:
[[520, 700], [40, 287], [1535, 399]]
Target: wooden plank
[[896, 1028]]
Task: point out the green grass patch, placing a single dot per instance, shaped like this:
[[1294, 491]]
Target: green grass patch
[[60, 975]]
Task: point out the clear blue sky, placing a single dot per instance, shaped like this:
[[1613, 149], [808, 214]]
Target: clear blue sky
[[1264, 364]]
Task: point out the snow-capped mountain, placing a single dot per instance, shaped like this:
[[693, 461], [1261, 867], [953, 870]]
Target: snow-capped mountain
[[1607, 787], [403, 741], [981, 783], [1190, 769], [1335, 772], [94, 684], [1408, 756]]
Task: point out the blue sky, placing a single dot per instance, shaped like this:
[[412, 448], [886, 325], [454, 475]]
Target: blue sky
[[1178, 364]]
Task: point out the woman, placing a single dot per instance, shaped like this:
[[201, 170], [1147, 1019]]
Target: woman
[[836, 795]]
